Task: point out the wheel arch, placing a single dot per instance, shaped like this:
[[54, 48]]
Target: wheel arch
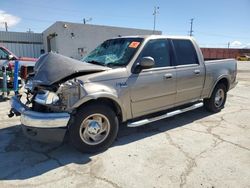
[[105, 100], [221, 80]]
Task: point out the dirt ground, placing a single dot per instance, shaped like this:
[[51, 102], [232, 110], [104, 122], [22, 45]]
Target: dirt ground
[[194, 149]]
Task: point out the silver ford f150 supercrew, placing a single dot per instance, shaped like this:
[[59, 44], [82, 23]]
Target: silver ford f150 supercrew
[[126, 80]]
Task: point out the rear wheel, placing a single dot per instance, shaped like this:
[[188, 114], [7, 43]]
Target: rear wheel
[[94, 129], [217, 100]]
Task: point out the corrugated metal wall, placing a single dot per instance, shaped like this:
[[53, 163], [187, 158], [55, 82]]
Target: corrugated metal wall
[[22, 44], [223, 53]]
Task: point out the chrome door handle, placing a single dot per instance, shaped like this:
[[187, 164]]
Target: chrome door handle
[[197, 71], [168, 76]]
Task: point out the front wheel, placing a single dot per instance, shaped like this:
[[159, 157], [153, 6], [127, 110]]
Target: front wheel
[[94, 129], [217, 100]]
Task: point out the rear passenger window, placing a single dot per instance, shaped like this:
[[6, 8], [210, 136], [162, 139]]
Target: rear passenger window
[[185, 52], [159, 50]]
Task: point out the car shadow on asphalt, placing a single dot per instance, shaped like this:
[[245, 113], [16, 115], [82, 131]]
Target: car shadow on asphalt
[[22, 158], [127, 135]]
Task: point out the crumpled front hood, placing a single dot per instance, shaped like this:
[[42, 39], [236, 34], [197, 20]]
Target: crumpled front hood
[[52, 68]]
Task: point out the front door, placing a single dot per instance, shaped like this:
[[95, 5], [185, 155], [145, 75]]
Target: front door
[[153, 89]]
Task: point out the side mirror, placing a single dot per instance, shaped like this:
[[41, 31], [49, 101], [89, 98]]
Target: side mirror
[[10, 57], [147, 63]]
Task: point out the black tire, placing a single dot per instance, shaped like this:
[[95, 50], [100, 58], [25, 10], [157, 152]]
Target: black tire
[[77, 138], [211, 105]]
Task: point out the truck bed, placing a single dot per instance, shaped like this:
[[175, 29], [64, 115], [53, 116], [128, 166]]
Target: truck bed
[[216, 69]]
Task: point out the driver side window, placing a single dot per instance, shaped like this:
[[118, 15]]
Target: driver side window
[[3, 54], [159, 50]]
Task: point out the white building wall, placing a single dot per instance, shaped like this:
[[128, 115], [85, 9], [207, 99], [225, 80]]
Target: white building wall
[[69, 37]]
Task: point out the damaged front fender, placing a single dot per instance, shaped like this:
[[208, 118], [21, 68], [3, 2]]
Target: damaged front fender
[[95, 91], [70, 93], [74, 93]]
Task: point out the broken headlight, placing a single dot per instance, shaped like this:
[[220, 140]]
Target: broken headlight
[[46, 98], [70, 92], [29, 85]]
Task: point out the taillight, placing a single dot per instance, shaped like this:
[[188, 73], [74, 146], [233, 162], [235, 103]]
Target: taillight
[[24, 72], [236, 69], [10, 67], [235, 72]]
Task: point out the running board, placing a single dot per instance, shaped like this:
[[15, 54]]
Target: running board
[[167, 115]]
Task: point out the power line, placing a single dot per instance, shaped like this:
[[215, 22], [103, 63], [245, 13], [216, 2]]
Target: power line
[[180, 31], [39, 20], [74, 12], [53, 8], [97, 17], [220, 35]]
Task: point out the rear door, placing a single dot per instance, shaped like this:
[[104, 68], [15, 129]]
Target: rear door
[[153, 89], [190, 73]]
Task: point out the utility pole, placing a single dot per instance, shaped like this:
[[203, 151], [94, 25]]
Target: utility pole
[[86, 20], [191, 27], [30, 31], [6, 26], [156, 11]]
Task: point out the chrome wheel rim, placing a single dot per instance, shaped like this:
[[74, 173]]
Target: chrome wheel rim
[[219, 98], [94, 129]]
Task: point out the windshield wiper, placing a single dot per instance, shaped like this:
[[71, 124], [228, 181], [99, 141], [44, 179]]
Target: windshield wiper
[[96, 63], [114, 64]]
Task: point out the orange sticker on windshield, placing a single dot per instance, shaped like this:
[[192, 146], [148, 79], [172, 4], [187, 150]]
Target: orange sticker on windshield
[[134, 44]]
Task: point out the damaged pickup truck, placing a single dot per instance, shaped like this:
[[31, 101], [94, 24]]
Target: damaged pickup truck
[[126, 80]]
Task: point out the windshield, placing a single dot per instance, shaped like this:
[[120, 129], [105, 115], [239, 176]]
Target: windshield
[[114, 52]]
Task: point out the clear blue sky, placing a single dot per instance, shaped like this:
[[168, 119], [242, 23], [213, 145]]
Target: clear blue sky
[[216, 22]]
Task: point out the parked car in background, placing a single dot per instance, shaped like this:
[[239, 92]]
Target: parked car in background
[[243, 58], [7, 59], [126, 80]]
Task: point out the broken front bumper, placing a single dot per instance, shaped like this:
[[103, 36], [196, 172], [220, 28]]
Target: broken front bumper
[[44, 127]]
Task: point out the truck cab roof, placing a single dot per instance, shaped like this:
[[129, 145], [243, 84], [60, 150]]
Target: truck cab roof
[[156, 37]]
